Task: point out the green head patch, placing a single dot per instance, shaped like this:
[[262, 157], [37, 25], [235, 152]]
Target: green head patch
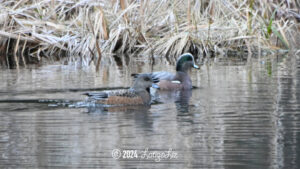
[[187, 57]]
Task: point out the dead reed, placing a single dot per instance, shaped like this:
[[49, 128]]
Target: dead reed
[[85, 30]]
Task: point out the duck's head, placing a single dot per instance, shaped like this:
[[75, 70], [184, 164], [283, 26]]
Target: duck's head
[[185, 62], [144, 82]]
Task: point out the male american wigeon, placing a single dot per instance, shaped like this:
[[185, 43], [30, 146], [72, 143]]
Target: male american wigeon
[[181, 79], [138, 94]]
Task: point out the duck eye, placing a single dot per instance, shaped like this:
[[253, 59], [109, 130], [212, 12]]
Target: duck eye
[[147, 79]]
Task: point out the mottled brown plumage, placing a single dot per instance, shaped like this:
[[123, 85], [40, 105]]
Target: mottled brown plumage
[[122, 100], [138, 94]]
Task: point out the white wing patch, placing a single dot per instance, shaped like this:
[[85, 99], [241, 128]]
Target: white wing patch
[[176, 81]]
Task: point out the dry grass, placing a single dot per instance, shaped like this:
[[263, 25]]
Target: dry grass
[[85, 30]]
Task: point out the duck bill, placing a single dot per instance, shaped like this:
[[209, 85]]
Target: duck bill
[[155, 86], [196, 67]]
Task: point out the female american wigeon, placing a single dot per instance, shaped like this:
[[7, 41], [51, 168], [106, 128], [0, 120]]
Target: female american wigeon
[[181, 79], [138, 94]]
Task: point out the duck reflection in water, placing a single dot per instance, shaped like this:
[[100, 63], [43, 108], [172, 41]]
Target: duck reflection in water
[[181, 99], [104, 109]]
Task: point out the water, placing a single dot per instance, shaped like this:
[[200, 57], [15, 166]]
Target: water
[[242, 115]]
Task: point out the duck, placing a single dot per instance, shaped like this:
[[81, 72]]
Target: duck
[[138, 94], [179, 80]]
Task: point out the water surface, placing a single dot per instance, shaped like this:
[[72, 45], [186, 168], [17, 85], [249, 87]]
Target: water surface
[[242, 115]]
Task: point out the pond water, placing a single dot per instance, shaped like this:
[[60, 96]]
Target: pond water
[[242, 115]]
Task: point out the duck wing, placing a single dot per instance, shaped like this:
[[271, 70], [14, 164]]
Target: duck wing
[[106, 94], [97, 95], [123, 93], [163, 76]]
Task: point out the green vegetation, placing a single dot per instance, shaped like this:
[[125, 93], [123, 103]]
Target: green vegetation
[[85, 30]]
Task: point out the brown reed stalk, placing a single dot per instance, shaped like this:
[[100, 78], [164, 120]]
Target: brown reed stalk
[[142, 8], [22, 54], [15, 52], [104, 25], [97, 45], [189, 14], [53, 9], [123, 4]]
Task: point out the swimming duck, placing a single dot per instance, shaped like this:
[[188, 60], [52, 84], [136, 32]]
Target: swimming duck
[[138, 94], [181, 79]]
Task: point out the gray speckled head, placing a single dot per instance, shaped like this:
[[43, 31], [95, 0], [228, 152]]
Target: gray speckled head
[[143, 81]]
